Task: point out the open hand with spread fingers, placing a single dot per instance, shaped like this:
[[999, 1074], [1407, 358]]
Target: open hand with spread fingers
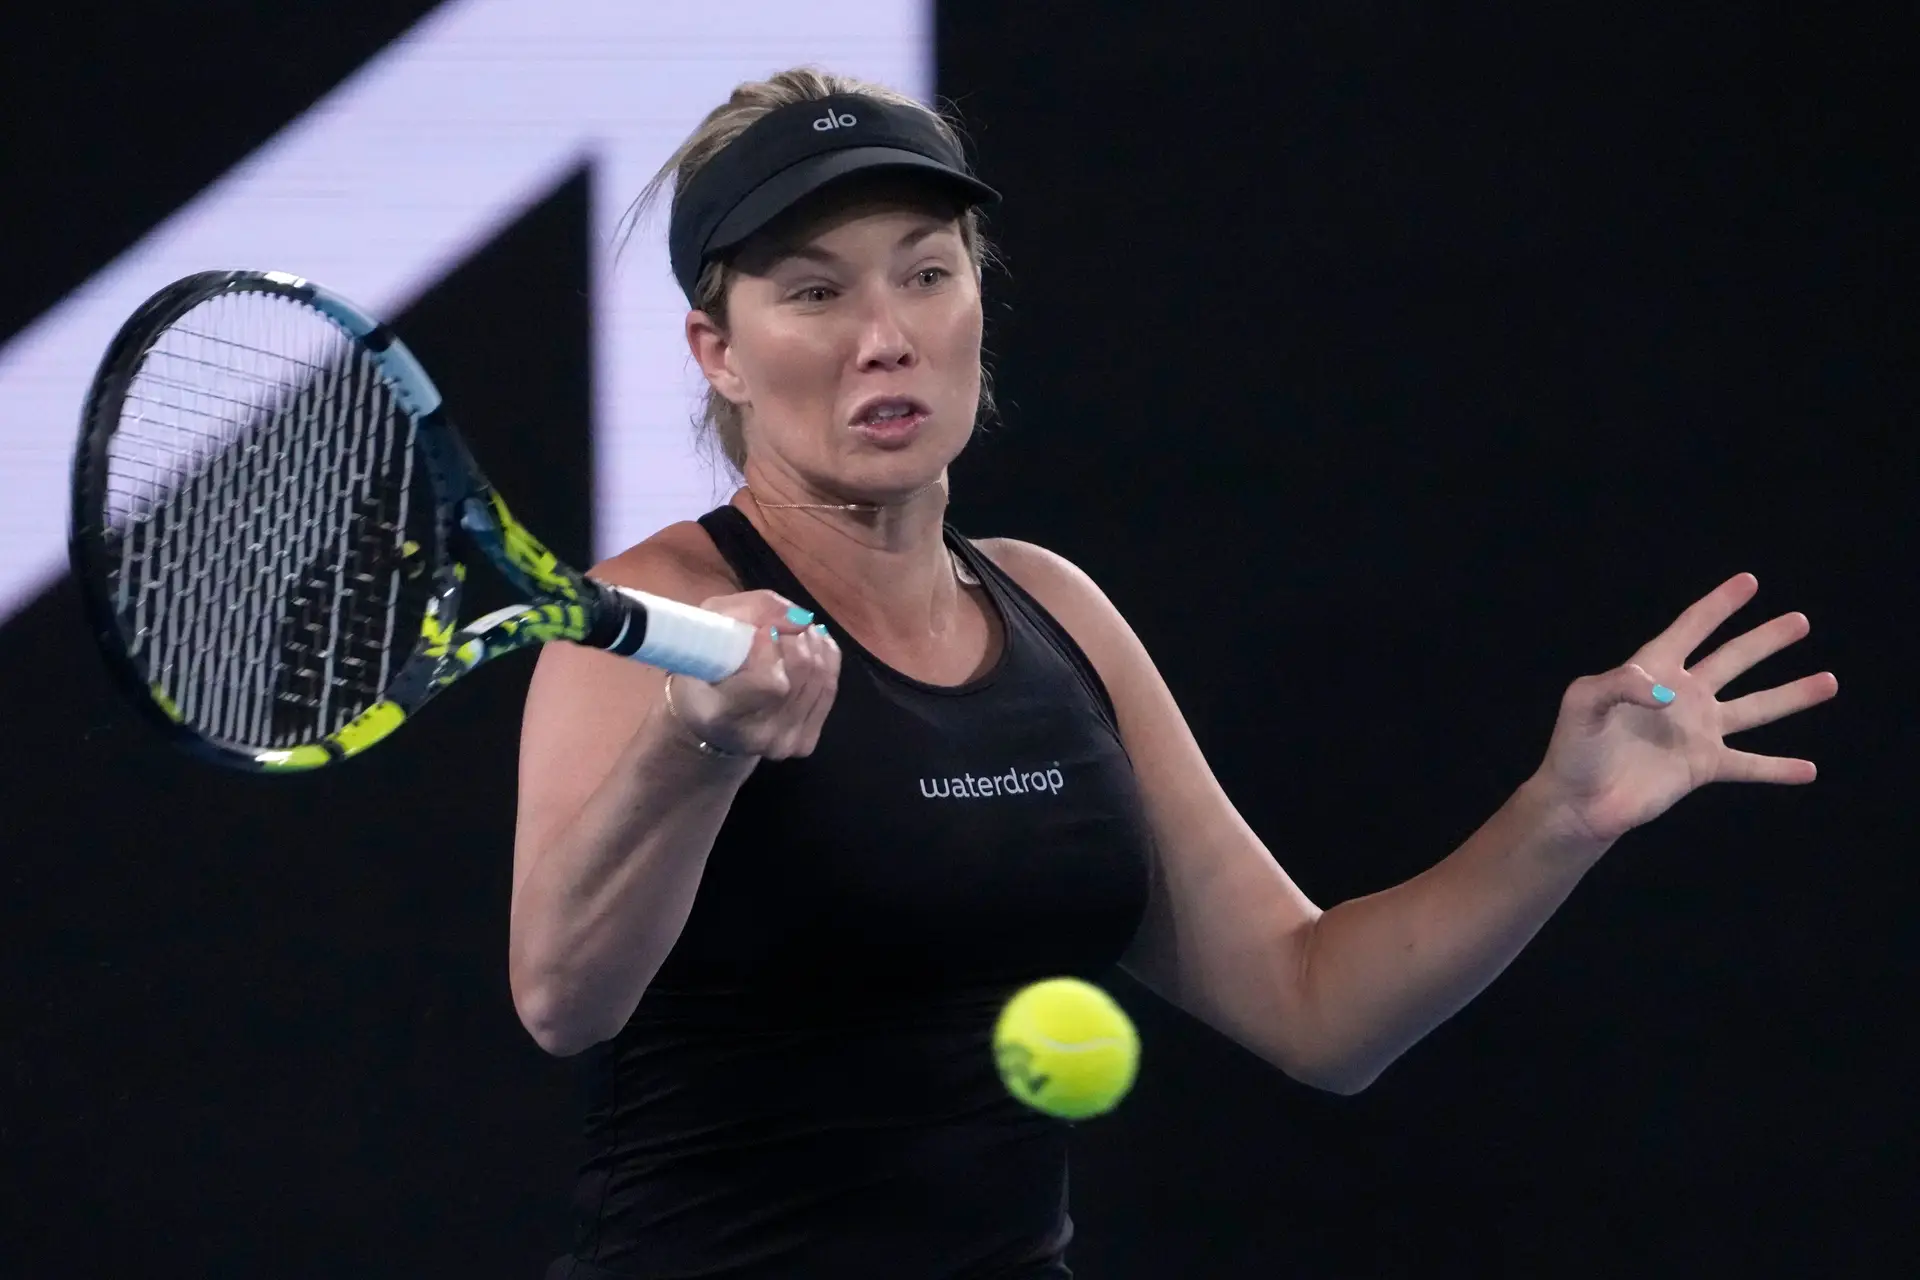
[[1630, 742]]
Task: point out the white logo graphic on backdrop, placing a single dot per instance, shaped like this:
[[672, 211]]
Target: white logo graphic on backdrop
[[422, 156]]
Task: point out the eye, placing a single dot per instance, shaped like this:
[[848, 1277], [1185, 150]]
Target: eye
[[928, 277], [813, 293]]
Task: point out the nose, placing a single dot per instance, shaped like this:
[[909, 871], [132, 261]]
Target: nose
[[884, 340]]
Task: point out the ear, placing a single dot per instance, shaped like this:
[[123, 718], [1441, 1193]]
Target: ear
[[712, 350]]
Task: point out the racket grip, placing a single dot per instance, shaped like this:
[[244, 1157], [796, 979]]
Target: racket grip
[[678, 637]]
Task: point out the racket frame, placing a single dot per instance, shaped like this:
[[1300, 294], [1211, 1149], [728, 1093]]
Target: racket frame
[[561, 603]]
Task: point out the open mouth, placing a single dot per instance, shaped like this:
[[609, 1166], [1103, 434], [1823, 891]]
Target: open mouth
[[889, 418]]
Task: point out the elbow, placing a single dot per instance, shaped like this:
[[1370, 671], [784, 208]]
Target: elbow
[[559, 1042], [564, 1048], [1345, 1084], [549, 1016], [544, 998], [546, 1022], [1329, 1072], [1316, 1053], [1345, 1078]]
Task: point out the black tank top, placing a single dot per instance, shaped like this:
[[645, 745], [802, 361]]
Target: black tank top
[[807, 1087]]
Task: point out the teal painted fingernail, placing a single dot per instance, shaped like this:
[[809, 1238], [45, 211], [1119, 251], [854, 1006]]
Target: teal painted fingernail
[[799, 617], [820, 627], [774, 632], [1662, 694]]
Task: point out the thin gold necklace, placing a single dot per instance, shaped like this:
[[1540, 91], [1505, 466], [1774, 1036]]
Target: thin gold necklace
[[965, 576], [810, 506]]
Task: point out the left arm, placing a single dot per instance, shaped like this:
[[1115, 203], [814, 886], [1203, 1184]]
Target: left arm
[[1378, 973], [1333, 997]]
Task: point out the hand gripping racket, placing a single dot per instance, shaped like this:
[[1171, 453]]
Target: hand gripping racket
[[267, 496]]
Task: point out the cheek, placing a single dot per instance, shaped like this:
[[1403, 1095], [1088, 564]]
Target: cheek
[[959, 349], [790, 365]]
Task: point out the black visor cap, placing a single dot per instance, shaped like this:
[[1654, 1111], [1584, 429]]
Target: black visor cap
[[794, 151]]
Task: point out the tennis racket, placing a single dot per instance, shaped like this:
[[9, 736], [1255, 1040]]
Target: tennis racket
[[269, 511]]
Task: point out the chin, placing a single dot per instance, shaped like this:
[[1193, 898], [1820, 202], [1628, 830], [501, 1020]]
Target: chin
[[897, 470], [887, 486]]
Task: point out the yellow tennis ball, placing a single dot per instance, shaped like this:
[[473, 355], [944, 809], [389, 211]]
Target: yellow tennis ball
[[1064, 1047]]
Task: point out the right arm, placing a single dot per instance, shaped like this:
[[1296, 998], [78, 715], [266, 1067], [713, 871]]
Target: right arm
[[619, 809]]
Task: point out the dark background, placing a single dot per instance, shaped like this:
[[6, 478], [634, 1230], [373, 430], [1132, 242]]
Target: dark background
[[1390, 366]]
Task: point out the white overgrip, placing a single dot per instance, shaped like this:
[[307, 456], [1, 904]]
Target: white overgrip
[[690, 641]]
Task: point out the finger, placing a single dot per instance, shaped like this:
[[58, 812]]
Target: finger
[[1742, 653], [763, 670], [1702, 618], [808, 666], [794, 621], [777, 618], [759, 685], [833, 658], [790, 620], [1742, 766], [1594, 697], [821, 684], [829, 689], [762, 609], [1767, 705], [766, 612]]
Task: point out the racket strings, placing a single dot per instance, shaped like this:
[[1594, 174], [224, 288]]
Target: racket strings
[[261, 500]]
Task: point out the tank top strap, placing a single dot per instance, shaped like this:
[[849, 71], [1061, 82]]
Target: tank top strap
[[756, 564], [1020, 610]]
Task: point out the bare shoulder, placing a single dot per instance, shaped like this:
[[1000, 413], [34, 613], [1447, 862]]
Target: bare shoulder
[[1065, 591], [680, 562], [1045, 575]]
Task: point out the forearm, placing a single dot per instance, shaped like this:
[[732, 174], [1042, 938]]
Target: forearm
[[1378, 973], [607, 896]]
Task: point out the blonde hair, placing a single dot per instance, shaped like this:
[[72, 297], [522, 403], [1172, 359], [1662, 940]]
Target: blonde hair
[[720, 421]]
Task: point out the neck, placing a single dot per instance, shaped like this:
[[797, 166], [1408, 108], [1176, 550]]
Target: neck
[[881, 567]]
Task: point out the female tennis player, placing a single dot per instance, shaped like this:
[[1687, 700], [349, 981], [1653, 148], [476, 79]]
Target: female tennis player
[[782, 910]]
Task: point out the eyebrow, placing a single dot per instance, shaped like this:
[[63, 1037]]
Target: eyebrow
[[811, 253]]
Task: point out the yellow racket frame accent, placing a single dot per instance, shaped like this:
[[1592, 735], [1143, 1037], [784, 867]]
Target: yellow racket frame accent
[[350, 739], [512, 629]]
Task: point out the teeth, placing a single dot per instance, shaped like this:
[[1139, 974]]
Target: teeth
[[889, 411]]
